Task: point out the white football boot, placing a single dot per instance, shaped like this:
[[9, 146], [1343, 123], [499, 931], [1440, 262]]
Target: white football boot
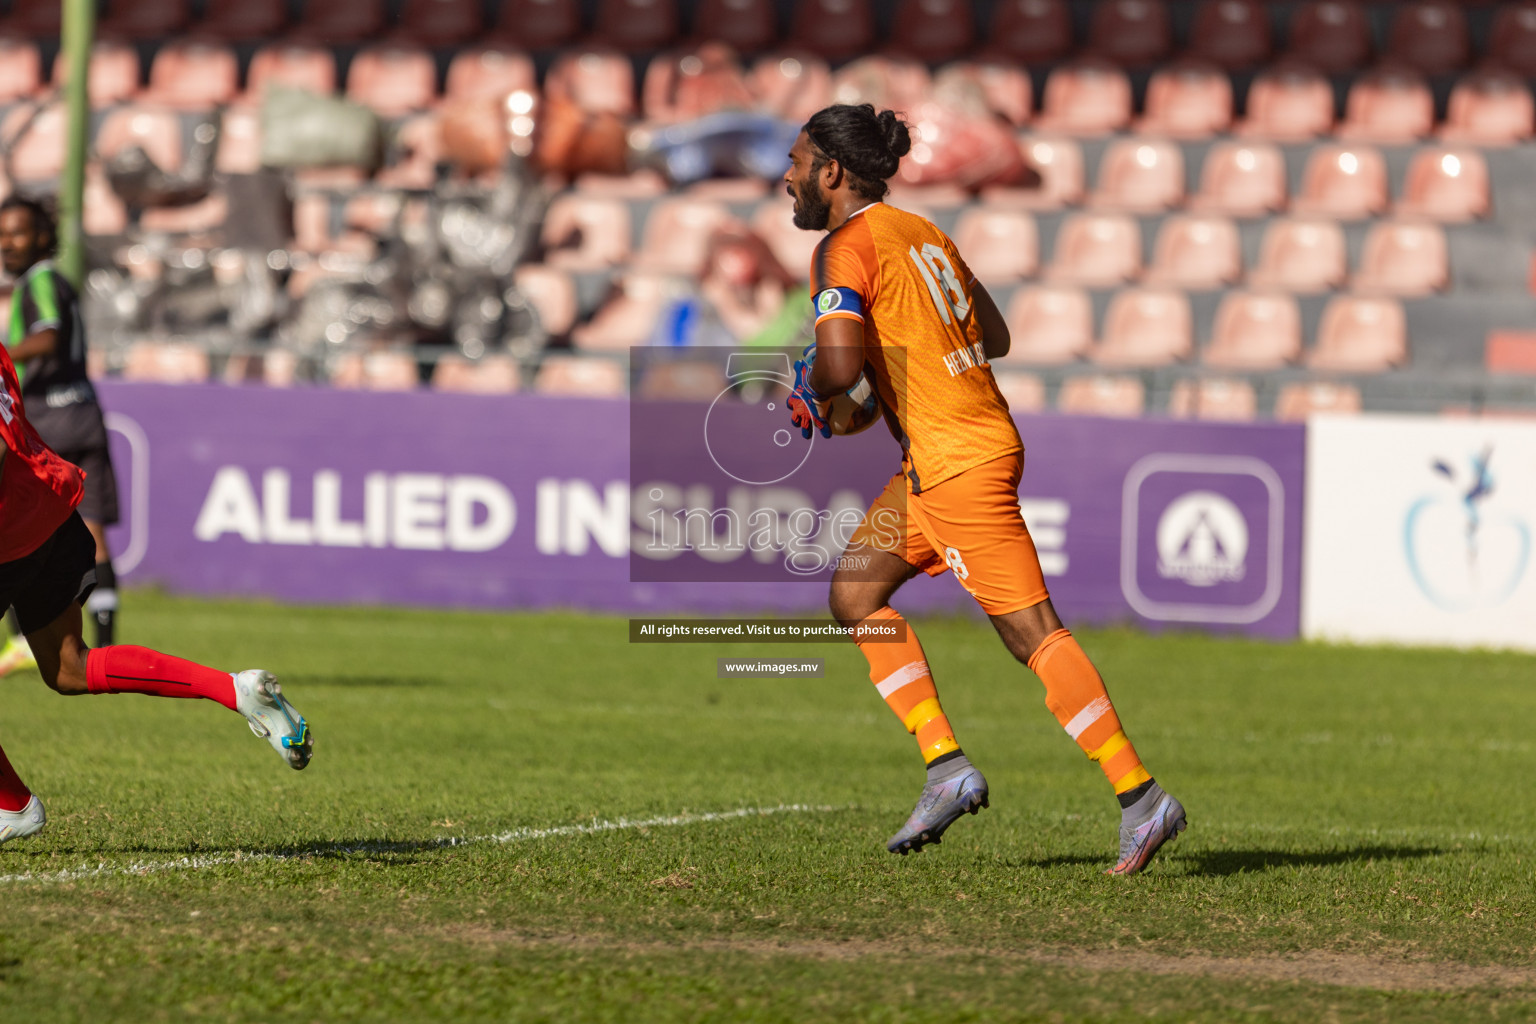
[[261, 701], [25, 822]]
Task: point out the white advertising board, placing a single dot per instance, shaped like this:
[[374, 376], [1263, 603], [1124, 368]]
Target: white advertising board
[[1419, 531]]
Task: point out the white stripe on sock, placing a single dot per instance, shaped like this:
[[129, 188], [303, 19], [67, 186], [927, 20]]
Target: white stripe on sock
[[1086, 717], [908, 673]]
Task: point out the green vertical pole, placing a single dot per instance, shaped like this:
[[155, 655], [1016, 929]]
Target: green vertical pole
[[79, 28]]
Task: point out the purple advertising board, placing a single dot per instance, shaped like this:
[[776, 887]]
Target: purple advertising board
[[526, 501]]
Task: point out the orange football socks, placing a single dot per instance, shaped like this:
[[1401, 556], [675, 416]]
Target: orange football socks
[[1075, 693], [900, 672]]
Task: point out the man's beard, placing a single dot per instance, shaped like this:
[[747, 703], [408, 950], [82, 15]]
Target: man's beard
[[812, 208]]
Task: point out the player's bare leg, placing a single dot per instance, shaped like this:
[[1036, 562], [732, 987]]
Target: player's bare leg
[[102, 604], [70, 667], [1075, 693], [862, 587]]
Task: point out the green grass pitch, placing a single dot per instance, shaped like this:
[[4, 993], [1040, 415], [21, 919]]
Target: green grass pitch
[[1361, 840]]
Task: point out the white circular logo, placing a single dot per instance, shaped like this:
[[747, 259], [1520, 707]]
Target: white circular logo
[[830, 300], [1202, 539]]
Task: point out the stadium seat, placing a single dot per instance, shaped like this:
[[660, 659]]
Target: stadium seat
[[1232, 34], [1146, 327], [774, 223], [143, 19], [36, 19], [37, 156], [230, 21], [748, 26], [1300, 256], [200, 218], [1048, 325], [1512, 42], [1024, 392], [102, 212], [630, 316], [1131, 33], [886, 81], [292, 64], [1360, 335], [1298, 401], [1333, 36], [580, 376], [491, 375], [1030, 31], [1006, 87], [685, 85], [489, 72], [1215, 399], [834, 29], [1102, 396], [933, 30], [1403, 258], [1196, 253], [392, 81], [1389, 105], [1288, 104], [1086, 98], [439, 23], [114, 73], [538, 24], [1254, 331], [635, 26], [338, 22], [1140, 176], [239, 141], [193, 76], [686, 380], [376, 371], [21, 69], [597, 82], [1346, 182], [1510, 352], [1241, 179], [1430, 35], [155, 130], [1000, 245], [586, 233], [1446, 185], [1188, 101], [676, 235], [791, 85], [164, 362], [1096, 251], [552, 293], [1059, 162], [1492, 107]]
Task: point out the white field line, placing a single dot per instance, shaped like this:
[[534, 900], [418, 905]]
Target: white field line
[[517, 835]]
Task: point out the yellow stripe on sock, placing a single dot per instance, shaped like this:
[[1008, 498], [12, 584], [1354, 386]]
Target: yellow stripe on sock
[[939, 749], [925, 712], [1111, 747], [1133, 778]]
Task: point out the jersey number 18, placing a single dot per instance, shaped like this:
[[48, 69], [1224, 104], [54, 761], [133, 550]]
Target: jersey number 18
[[939, 275]]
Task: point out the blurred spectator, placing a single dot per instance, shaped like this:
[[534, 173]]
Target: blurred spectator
[[757, 300]]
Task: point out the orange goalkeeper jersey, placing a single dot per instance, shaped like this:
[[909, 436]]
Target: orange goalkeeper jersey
[[904, 280]]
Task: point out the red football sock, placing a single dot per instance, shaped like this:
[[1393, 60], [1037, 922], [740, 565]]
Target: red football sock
[[14, 793], [127, 669]]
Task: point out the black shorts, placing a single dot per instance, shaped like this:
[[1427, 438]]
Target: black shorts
[[79, 434], [40, 586]]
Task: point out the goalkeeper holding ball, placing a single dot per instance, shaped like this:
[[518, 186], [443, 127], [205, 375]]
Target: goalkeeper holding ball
[[892, 294]]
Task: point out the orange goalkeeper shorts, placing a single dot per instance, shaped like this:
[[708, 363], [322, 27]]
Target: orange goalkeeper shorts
[[970, 523]]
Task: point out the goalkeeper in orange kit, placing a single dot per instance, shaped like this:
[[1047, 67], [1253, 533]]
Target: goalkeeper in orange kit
[[892, 294]]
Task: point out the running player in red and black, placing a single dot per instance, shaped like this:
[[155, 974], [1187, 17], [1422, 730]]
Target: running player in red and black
[[48, 569]]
